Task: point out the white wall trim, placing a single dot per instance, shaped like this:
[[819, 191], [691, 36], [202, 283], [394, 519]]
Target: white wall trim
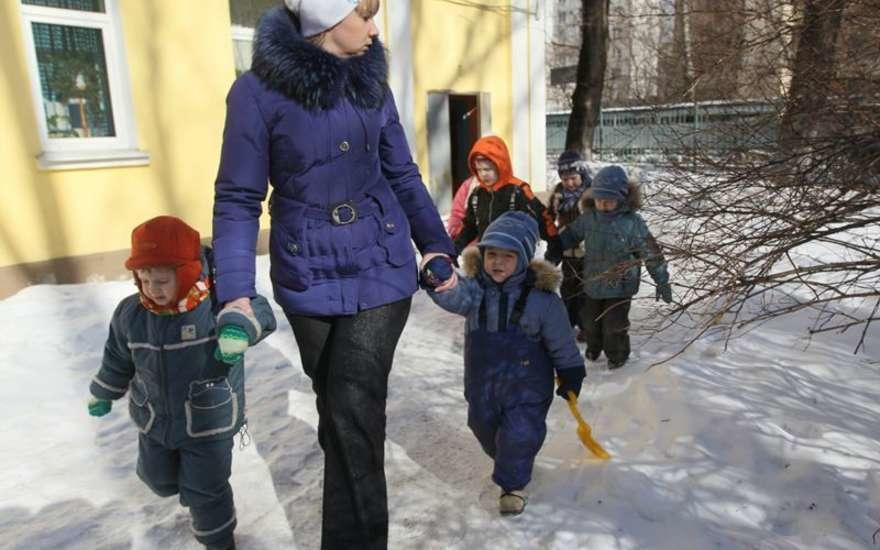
[[538, 31], [398, 40], [528, 19], [519, 49]]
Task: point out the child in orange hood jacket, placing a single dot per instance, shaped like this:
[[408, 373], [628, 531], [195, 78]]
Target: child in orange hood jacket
[[499, 192]]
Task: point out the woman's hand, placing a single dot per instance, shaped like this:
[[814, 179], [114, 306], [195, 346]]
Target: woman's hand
[[439, 281], [449, 284], [242, 304]]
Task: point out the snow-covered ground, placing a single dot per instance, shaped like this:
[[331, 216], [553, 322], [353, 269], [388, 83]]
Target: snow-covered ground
[[769, 444]]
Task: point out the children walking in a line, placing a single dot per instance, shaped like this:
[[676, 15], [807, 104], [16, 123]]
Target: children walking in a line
[[517, 334], [616, 242], [564, 208], [498, 192], [183, 371]]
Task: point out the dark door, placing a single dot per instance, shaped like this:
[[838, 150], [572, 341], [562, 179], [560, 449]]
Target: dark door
[[464, 130]]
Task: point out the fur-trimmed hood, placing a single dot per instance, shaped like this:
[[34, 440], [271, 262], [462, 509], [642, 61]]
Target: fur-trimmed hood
[[547, 277], [633, 198], [314, 78]]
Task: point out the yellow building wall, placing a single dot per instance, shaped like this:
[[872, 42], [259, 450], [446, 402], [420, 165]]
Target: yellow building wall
[[465, 49], [180, 66]]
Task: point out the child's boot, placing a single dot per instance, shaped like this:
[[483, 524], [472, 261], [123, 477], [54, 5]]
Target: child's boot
[[229, 545], [512, 503]]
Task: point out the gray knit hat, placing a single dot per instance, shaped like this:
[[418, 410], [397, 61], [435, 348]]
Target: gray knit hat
[[316, 16]]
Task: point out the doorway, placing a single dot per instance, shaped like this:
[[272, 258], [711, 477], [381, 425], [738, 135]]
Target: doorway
[[464, 130], [455, 122]]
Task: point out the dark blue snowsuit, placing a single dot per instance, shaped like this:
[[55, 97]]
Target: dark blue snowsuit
[[516, 333], [186, 404]]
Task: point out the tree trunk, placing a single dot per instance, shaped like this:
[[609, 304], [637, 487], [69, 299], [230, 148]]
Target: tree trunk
[[587, 97], [813, 74]]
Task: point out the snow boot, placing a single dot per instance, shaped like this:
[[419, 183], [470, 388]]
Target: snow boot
[[613, 365], [592, 355], [512, 503]]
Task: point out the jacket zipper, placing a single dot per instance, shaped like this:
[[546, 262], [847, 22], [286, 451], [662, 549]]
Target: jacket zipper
[[163, 375]]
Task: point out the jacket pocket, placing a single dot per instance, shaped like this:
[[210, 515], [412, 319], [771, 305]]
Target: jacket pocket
[[395, 238], [211, 407], [290, 264], [139, 407]]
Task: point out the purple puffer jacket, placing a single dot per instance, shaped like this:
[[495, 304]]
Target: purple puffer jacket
[[347, 199]]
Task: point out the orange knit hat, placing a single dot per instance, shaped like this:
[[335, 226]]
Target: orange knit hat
[[166, 241]]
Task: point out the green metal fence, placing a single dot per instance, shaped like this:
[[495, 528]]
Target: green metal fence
[[710, 127]]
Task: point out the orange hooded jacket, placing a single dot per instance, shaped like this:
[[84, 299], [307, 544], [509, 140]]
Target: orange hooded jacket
[[508, 193]]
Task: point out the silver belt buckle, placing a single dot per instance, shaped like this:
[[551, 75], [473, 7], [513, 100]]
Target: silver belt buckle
[[344, 213]]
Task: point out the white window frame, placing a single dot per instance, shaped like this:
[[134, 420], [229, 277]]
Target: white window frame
[[86, 152]]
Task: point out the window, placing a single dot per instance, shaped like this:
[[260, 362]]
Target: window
[[244, 15], [79, 84]]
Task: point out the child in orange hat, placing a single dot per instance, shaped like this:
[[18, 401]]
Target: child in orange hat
[[183, 370]]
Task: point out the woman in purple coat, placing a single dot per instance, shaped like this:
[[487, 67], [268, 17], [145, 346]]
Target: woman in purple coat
[[315, 118]]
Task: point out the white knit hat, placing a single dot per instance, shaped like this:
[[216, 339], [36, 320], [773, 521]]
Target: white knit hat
[[316, 16]]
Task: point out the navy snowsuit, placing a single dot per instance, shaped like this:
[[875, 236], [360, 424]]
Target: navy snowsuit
[[186, 404], [512, 346]]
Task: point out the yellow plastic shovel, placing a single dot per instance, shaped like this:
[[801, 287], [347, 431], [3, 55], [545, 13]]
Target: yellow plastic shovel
[[584, 431]]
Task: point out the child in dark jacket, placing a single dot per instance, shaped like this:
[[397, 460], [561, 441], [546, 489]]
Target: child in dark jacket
[[616, 242], [498, 192], [183, 370], [516, 335], [565, 208]]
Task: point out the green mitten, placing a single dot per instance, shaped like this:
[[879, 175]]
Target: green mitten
[[99, 407], [231, 344]]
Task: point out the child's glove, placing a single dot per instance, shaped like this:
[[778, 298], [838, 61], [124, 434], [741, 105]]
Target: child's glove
[[437, 271], [570, 380], [232, 341], [237, 328], [99, 407], [664, 292], [554, 251]]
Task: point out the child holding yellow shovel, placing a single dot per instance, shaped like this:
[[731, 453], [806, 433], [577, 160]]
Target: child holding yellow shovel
[[517, 333]]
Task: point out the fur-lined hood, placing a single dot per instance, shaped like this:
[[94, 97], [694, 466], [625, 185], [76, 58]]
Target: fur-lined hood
[[633, 198], [314, 78], [547, 277]]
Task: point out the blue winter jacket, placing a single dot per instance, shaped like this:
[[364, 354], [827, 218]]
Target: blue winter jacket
[[615, 245], [544, 318], [347, 198], [178, 391]]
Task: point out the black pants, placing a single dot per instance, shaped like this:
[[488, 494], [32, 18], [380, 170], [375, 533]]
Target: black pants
[[606, 325], [199, 471], [349, 359], [572, 289]]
